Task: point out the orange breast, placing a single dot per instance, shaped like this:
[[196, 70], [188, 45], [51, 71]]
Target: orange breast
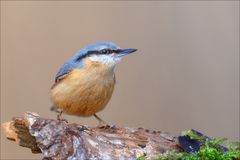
[[85, 91]]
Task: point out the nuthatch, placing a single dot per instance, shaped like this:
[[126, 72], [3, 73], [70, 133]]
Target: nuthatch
[[84, 84]]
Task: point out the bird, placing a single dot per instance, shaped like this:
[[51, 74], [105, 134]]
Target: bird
[[84, 84]]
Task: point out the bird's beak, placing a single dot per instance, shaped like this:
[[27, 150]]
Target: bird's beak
[[126, 51]]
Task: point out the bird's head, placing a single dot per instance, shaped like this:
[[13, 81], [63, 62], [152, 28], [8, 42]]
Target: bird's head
[[103, 52]]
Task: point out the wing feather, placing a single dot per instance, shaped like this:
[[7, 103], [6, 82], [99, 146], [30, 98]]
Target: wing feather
[[62, 73]]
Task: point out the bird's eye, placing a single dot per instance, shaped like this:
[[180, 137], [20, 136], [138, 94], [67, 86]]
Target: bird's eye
[[106, 51]]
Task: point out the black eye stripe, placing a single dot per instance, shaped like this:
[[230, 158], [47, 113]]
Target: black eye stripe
[[86, 55], [103, 51]]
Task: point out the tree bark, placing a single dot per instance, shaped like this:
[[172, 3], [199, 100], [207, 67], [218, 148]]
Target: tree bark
[[60, 140]]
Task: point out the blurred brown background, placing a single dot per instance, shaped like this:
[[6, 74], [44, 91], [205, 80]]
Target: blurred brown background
[[185, 74]]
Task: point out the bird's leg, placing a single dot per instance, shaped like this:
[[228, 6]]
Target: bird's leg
[[59, 117], [101, 123], [59, 111]]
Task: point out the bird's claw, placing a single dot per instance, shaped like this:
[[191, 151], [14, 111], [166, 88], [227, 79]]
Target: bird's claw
[[83, 128], [107, 126]]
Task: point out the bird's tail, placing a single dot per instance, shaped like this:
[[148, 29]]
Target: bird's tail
[[55, 109]]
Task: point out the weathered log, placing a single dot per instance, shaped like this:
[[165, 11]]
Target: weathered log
[[59, 140]]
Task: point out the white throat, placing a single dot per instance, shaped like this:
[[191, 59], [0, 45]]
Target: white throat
[[106, 59]]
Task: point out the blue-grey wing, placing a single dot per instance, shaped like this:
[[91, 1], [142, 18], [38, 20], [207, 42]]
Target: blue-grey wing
[[68, 67], [63, 71]]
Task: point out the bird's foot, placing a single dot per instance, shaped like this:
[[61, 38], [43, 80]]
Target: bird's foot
[[107, 126], [62, 119], [83, 128], [102, 123]]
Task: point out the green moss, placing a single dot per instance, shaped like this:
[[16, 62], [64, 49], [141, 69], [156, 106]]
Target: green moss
[[142, 157], [209, 150], [205, 153]]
